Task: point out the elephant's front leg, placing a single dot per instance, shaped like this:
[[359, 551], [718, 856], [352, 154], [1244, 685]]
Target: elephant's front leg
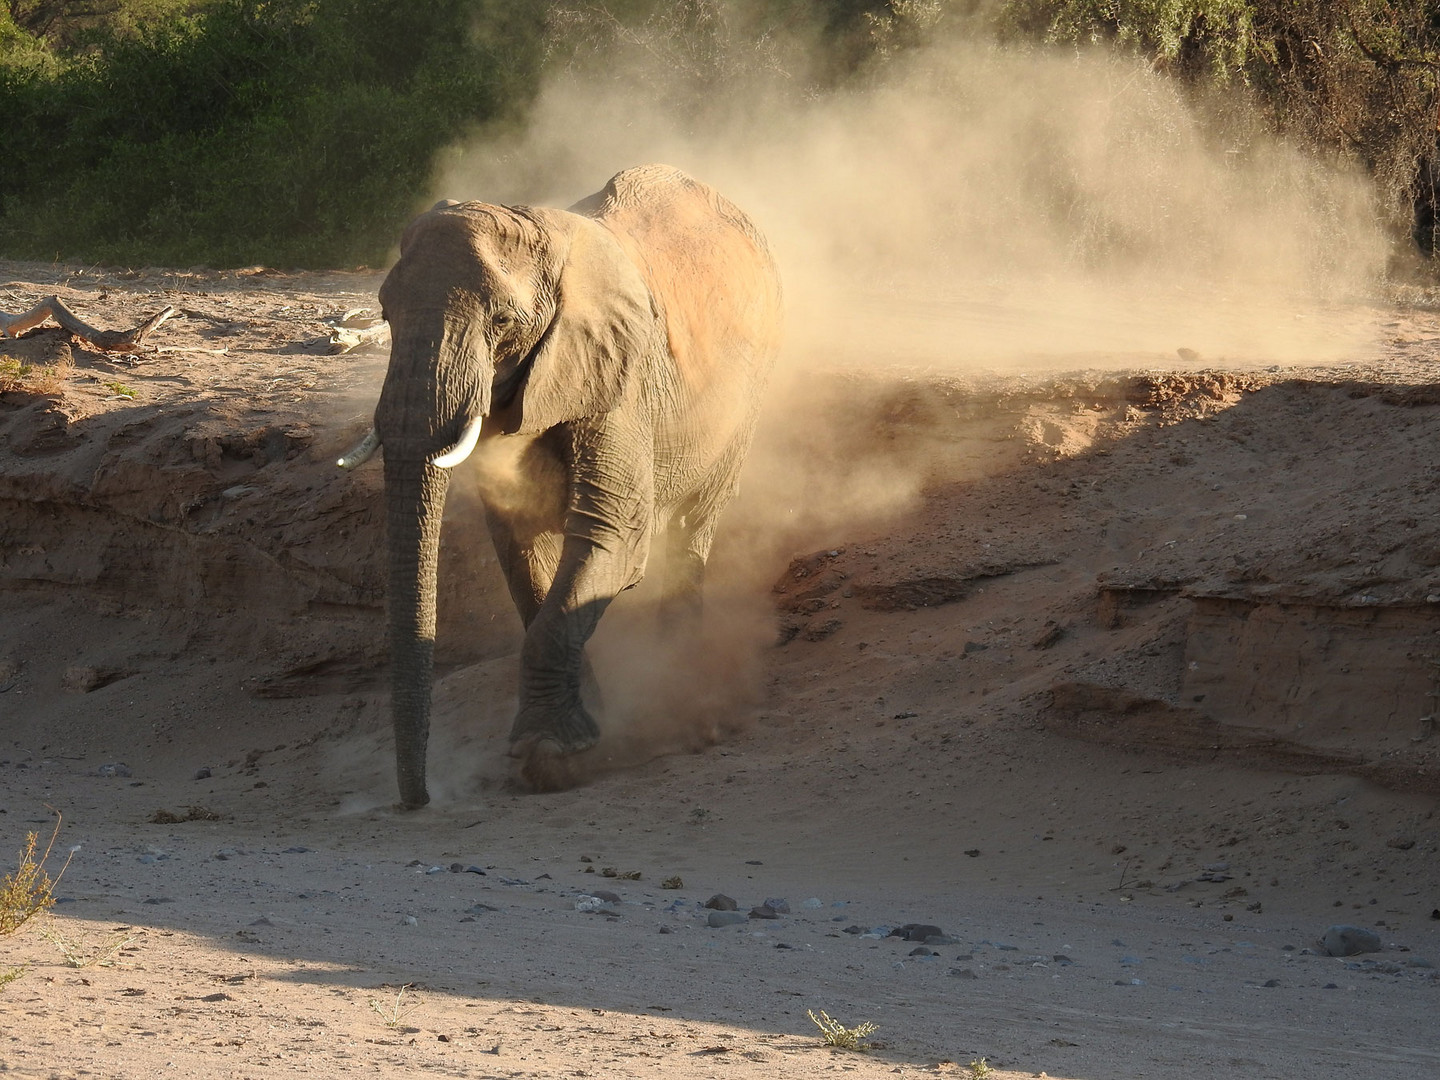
[[606, 545]]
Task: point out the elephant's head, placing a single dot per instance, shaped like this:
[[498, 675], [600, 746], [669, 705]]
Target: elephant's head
[[503, 320]]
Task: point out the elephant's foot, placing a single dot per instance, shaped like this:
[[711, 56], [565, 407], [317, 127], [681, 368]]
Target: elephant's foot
[[546, 744]]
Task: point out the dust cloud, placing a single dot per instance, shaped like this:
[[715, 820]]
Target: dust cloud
[[973, 206], [967, 209]]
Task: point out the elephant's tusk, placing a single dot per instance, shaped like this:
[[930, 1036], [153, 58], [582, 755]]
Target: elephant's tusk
[[454, 455], [362, 452]]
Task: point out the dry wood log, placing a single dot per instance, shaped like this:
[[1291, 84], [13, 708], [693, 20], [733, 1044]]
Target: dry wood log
[[104, 340]]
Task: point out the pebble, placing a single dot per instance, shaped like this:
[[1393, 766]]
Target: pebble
[[480, 909], [296, 850], [1343, 940], [604, 894], [777, 904], [721, 902], [592, 905], [763, 911], [474, 870], [203, 774], [409, 920], [963, 973], [813, 902], [921, 951], [725, 918], [115, 768]]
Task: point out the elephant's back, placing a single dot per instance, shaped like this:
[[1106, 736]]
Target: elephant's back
[[707, 265]]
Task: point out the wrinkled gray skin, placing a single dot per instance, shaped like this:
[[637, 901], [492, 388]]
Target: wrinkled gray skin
[[616, 355]]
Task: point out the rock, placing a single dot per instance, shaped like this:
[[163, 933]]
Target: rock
[[763, 911], [480, 909], [296, 850], [1344, 940], [604, 894], [474, 870], [916, 932], [1272, 982], [854, 930], [725, 918], [115, 768], [435, 870], [203, 774], [778, 905], [721, 902], [921, 951], [1402, 843], [457, 868], [676, 882], [409, 920], [813, 902], [973, 852], [962, 973], [592, 905]]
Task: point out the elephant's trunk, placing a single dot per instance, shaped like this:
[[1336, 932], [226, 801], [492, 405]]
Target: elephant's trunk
[[414, 503]]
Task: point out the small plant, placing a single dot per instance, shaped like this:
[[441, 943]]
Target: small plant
[[980, 1068], [120, 390], [394, 1014], [29, 891], [837, 1034], [79, 954]]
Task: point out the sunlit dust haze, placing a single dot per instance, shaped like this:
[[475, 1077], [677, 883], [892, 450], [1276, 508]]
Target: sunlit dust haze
[[966, 209], [972, 206]]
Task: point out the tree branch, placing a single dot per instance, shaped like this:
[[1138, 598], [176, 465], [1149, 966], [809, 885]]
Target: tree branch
[[104, 340]]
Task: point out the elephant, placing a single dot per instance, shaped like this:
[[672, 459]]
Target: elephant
[[603, 368]]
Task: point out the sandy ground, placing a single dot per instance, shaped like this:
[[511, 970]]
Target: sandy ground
[[1120, 681]]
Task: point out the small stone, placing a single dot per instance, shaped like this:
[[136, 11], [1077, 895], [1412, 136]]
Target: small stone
[[1402, 843], [916, 931], [962, 973], [667, 930], [973, 852], [778, 905], [474, 870], [296, 850], [921, 951], [480, 909], [203, 774], [115, 768], [435, 870], [1329, 986], [763, 911], [605, 894], [591, 905], [1062, 960], [676, 882], [1272, 982], [158, 900], [262, 921], [409, 920], [813, 902], [1344, 940], [725, 918], [721, 902], [457, 868], [853, 930]]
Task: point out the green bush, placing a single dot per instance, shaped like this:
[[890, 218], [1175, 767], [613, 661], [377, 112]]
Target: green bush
[[289, 132]]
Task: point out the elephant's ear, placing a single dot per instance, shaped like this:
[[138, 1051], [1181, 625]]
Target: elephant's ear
[[604, 331]]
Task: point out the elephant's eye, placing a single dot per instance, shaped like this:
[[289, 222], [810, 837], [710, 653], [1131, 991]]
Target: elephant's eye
[[502, 320]]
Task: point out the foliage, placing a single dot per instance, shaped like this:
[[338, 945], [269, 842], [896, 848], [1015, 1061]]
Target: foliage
[[289, 131], [838, 1035], [303, 132], [28, 892]]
